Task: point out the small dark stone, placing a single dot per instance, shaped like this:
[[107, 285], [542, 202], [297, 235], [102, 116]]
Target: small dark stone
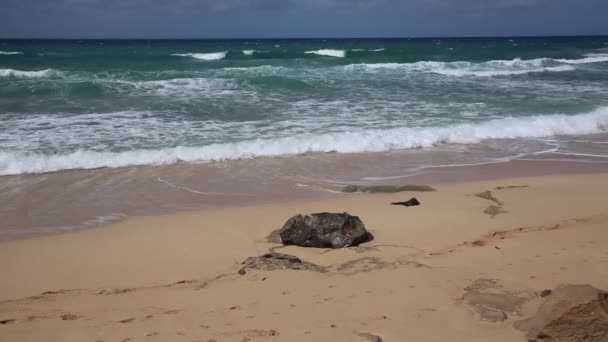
[[545, 293], [409, 203], [324, 230]]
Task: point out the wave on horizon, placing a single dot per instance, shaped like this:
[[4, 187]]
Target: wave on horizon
[[377, 140]]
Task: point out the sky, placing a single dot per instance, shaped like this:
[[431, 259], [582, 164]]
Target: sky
[[299, 18]]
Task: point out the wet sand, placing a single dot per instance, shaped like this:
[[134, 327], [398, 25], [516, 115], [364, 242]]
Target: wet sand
[[176, 277], [63, 201]]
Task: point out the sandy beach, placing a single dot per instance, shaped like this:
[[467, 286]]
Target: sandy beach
[[176, 277]]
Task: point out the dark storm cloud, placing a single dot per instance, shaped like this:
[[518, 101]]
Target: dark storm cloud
[[299, 18]]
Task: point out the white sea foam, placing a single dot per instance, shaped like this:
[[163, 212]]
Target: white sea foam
[[248, 52], [329, 53], [377, 50], [212, 56], [342, 142], [490, 73], [482, 69], [25, 74], [186, 86], [490, 68], [591, 58], [11, 53]]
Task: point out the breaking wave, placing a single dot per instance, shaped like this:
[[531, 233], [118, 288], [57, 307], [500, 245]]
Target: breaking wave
[[482, 69], [213, 56], [25, 74], [342, 142], [591, 58], [11, 53], [329, 53], [248, 52]]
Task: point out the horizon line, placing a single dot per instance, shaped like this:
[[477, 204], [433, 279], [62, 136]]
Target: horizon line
[[313, 38]]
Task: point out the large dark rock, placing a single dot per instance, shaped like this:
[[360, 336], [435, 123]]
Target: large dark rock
[[324, 230], [570, 313]]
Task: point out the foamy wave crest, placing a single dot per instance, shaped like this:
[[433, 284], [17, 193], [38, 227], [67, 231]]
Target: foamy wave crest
[[343, 142], [483, 69], [248, 52], [11, 53], [328, 52], [479, 72], [213, 56], [25, 74], [591, 58]]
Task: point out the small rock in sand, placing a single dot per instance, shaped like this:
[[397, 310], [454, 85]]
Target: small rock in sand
[[545, 293], [409, 203]]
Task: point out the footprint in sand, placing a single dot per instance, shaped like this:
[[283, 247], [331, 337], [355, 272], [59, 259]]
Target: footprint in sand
[[69, 317], [487, 195], [8, 321]]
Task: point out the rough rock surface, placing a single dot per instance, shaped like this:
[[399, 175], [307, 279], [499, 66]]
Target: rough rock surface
[[277, 261], [571, 313], [324, 230], [386, 188]]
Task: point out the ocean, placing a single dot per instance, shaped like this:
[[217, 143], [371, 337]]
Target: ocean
[[111, 128]]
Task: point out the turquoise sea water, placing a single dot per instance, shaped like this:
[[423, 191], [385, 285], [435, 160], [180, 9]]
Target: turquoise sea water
[[89, 104]]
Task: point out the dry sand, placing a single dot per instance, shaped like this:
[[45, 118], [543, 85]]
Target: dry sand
[[442, 271]]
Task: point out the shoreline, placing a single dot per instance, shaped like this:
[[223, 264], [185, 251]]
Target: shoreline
[[175, 276], [290, 190]]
